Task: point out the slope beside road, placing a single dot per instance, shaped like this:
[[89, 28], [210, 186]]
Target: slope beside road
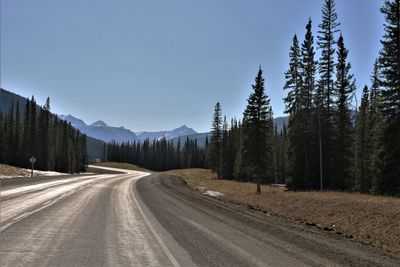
[[142, 219]]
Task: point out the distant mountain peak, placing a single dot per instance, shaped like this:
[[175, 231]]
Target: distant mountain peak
[[73, 120], [99, 124]]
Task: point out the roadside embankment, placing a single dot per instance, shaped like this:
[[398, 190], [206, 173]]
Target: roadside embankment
[[373, 220]]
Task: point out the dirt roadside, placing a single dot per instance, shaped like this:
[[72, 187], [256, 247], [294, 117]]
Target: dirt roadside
[[373, 220]]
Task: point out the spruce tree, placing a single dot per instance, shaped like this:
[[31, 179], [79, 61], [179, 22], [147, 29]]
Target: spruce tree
[[215, 144], [293, 79], [225, 172], [363, 144], [376, 127], [326, 42], [389, 60], [344, 90], [300, 128], [2, 138], [257, 144], [324, 95]]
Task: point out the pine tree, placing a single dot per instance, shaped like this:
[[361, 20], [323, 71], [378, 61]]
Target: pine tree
[[326, 42], [324, 97], [390, 81], [257, 146], [300, 129], [308, 68], [363, 144], [215, 144], [225, 172], [17, 133], [10, 138], [344, 90], [2, 138], [376, 127], [293, 79]]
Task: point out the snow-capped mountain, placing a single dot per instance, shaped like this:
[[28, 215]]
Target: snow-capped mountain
[[181, 131], [99, 124], [100, 130], [75, 122]]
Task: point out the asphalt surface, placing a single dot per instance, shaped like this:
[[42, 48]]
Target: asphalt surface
[[141, 219]]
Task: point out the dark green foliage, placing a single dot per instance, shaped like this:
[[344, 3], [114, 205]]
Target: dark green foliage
[[215, 144], [376, 127], [324, 96], [326, 42], [257, 140], [55, 144], [158, 155], [293, 78], [302, 135], [281, 152], [343, 142], [389, 60], [363, 181]]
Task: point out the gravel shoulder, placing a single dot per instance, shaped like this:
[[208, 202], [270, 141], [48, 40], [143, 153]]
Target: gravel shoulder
[[217, 233]]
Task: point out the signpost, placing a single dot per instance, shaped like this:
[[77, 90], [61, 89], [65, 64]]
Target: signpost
[[32, 160]]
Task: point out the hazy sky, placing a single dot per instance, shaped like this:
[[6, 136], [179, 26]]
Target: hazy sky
[[152, 65]]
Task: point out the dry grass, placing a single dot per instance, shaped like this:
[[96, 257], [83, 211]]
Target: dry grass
[[120, 165], [7, 170], [371, 219]]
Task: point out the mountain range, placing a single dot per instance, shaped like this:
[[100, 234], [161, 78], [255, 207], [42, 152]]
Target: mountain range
[[100, 130]]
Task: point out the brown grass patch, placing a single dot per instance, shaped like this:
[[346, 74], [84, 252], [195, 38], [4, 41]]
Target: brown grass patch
[[371, 219]]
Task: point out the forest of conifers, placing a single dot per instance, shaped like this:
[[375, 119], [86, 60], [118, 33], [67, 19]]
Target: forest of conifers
[[28, 130], [331, 142]]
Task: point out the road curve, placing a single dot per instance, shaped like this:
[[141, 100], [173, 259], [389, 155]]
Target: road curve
[[142, 219], [82, 221]]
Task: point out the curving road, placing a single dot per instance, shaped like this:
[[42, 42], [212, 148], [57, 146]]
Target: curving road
[[142, 219]]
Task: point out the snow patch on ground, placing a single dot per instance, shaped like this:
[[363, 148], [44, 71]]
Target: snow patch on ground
[[213, 193], [27, 173]]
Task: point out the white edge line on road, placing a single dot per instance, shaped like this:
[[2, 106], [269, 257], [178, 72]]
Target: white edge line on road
[[156, 235]]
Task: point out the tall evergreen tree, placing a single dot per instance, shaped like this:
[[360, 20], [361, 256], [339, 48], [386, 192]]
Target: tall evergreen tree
[[390, 68], [344, 90], [324, 96], [225, 172], [376, 127], [300, 128], [293, 79], [215, 144], [257, 145], [2, 138], [363, 144]]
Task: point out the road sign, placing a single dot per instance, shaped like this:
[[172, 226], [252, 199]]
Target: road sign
[[32, 160]]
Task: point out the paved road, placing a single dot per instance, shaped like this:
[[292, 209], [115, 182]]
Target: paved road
[[141, 219]]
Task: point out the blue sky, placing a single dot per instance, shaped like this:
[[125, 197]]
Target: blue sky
[[152, 65]]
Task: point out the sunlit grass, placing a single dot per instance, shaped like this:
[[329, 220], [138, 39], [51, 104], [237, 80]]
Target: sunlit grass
[[369, 218]]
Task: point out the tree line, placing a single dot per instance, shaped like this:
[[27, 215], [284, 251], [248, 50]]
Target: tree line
[[31, 130], [331, 142], [158, 155]]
